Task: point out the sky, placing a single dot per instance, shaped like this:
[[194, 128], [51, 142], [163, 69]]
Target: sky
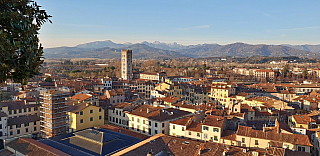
[[186, 22]]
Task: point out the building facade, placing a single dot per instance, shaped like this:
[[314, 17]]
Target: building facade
[[126, 64], [53, 111]]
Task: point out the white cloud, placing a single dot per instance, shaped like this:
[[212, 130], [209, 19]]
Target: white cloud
[[302, 28], [196, 27]]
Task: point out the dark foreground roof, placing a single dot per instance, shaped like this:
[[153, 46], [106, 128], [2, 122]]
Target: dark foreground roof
[[91, 142], [31, 147]]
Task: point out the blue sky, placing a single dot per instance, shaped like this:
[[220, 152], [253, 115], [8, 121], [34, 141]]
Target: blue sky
[[182, 21]]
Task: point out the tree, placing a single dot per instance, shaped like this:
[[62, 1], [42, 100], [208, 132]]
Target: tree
[[20, 51], [285, 70], [305, 74], [48, 79]]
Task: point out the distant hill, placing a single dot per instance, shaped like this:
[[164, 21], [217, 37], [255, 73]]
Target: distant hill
[[101, 44], [311, 48], [147, 50], [141, 51], [242, 49]]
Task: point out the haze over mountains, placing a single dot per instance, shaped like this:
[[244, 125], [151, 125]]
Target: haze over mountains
[[147, 50]]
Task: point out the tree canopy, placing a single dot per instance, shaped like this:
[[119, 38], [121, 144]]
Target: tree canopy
[[20, 50]]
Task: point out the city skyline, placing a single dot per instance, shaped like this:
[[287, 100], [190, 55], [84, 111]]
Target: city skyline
[[184, 22]]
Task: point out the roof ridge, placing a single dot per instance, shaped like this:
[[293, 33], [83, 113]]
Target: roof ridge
[[34, 144]]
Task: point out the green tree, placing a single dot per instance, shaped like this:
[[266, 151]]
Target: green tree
[[285, 70], [48, 79], [305, 74], [20, 51]]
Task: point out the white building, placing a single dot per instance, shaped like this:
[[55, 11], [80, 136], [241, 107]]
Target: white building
[[107, 83], [118, 114], [151, 120]]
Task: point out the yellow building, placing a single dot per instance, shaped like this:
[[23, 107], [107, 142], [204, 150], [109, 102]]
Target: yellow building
[[212, 128], [176, 90], [163, 86], [248, 137], [83, 115], [221, 91], [301, 121]]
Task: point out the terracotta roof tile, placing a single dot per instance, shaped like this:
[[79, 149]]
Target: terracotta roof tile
[[215, 121], [273, 135]]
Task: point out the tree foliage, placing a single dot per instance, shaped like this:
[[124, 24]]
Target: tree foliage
[[20, 50]]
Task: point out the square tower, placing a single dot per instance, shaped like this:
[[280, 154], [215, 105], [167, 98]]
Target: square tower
[[126, 64], [53, 113]]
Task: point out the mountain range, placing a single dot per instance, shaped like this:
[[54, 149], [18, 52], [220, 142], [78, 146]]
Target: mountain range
[[155, 50]]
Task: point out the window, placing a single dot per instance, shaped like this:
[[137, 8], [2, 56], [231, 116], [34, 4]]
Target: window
[[138, 128], [100, 117], [155, 125], [149, 123], [20, 110], [182, 128], [25, 110], [91, 119], [29, 110], [11, 133], [205, 136], [189, 133], [198, 134], [19, 126], [113, 120], [149, 131], [120, 113], [155, 131], [35, 123], [124, 114], [119, 121], [99, 109], [256, 142], [205, 128], [34, 128], [243, 140], [110, 118], [162, 124], [138, 120], [27, 130], [173, 127], [144, 121], [0, 126], [26, 124], [91, 111], [132, 119], [10, 112], [81, 120], [215, 138], [35, 108], [132, 126], [116, 112], [15, 112], [303, 149], [18, 131], [81, 113], [116, 120], [215, 129]]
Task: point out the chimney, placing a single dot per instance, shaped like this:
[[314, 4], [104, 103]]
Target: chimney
[[148, 110], [149, 154]]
